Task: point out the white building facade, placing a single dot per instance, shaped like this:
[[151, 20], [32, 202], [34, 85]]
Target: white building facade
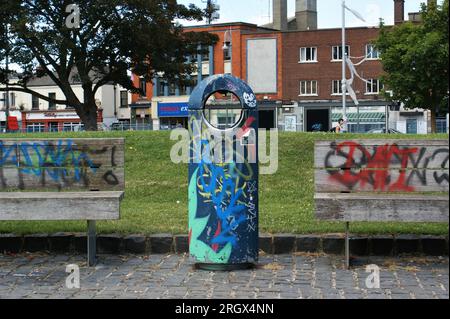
[[37, 115]]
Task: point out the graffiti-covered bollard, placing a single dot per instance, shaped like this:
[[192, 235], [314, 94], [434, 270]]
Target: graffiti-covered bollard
[[223, 174]]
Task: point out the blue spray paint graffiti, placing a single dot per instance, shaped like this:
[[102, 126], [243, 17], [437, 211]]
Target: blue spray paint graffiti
[[224, 192], [62, 161]]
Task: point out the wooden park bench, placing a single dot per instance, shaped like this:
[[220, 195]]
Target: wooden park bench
[[62, 179], [381, 180]]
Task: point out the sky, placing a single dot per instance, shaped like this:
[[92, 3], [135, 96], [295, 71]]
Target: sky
[[329, 14]]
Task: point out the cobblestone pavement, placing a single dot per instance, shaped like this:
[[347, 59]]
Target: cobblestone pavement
[[173, 276]]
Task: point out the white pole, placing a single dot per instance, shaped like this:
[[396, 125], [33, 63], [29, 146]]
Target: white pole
[[344, 87]]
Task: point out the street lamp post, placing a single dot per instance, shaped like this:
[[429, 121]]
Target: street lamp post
[[6, 99], [344, 78], [7, 91]]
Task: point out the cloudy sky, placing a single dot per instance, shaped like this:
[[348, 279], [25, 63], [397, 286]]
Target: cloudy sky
[[260, 11]]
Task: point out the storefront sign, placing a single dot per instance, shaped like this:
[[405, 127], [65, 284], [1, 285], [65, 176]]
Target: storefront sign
[[54, 115], [173, 109]]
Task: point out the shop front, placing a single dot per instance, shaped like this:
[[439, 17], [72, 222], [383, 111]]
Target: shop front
[[54, 121], [141, 116], [173, 115]]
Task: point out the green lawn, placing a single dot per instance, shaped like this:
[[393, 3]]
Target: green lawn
[[156, 191]]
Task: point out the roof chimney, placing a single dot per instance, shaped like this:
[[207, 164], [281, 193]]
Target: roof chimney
[[280, 15], [306, 14], [399, 11]]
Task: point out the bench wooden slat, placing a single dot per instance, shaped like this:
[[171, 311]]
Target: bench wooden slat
[[51, 178], [60, 206], [62, 164], [376, 207], [329, 181], [61, 152], [432, 154]]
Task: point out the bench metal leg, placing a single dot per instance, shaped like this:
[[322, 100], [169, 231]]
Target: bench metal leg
[[91, 243], [347, 245]]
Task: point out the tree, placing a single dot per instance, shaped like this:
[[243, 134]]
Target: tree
[[415, 59], [99, 42]]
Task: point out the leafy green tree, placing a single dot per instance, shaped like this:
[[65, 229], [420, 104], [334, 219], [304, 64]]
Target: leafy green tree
[[415, 59], [99, 42]]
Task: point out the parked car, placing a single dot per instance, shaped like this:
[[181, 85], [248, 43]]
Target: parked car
[[383, 131]]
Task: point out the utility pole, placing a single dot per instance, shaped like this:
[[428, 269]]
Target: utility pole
[[344, 77], [7, 81]]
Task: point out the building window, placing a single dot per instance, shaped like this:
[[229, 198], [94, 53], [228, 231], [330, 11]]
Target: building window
[[308, 55], [172, 89], [372, 53], [51, 104], [336, 87], [4, 99], [160, 87], [227, 54], [34, 102], [308, 88], [72, 127], [35, 127], [123, 98], [373, 86], [143, 86], [12, 99], [336, 54], [441, 125]]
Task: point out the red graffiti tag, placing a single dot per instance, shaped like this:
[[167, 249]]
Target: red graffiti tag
[[215, 247], [245, 128], [374, 169], [189, 237]]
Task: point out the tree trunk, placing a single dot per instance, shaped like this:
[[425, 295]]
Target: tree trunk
[[88, 114], [433, 121]]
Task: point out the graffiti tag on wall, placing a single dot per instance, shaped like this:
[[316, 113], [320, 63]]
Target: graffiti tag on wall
[[388, 167], [61, 163]]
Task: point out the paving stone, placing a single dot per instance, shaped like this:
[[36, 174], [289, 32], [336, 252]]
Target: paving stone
[[266, 243], [60, 242], [181, 244], [79, 243], [382, 245], [134, 244], [35, 243], [308, 243], [161, 243], [283, 244], [11, 243], [434, 245], [108, 244], [333, 245], [359, 246], [406, 244]]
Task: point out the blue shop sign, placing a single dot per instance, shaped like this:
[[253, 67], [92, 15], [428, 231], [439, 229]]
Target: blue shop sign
[[173, 109]]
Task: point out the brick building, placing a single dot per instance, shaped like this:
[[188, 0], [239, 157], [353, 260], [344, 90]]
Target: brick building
[[312, 69]]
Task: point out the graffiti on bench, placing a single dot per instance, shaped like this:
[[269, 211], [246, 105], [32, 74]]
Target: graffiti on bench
[[388, 167], [57, 162]]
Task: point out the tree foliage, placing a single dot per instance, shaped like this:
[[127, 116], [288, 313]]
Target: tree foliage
[[415, 59], [113, 38]]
